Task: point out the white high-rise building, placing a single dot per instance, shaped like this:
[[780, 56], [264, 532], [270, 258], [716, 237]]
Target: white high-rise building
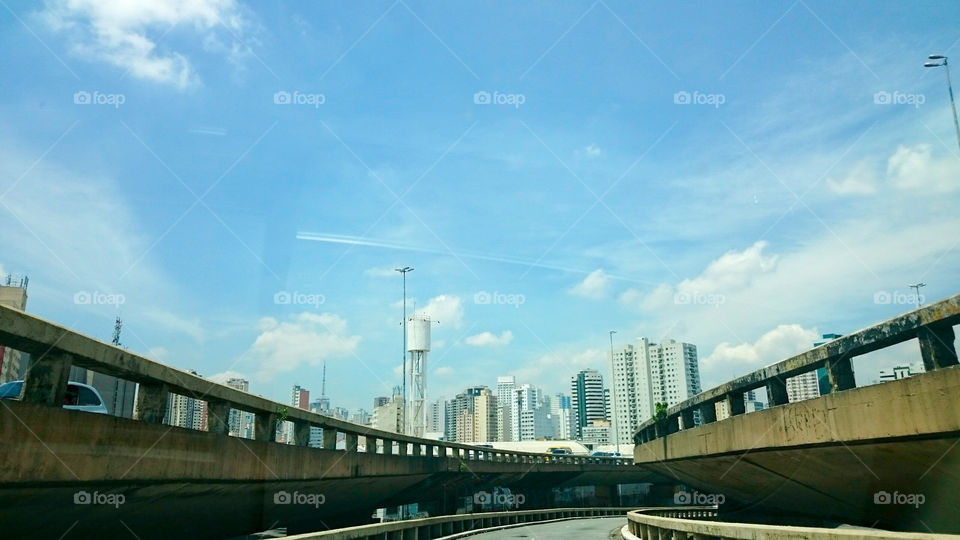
[[505, 387], [587, 400], [526, 397], [650, 373], [560, 415], [805, 386]]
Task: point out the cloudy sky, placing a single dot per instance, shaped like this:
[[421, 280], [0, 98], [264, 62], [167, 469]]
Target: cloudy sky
[[238, 180]]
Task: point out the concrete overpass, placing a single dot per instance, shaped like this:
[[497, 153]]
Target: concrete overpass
[[878, 456], [97, 475]]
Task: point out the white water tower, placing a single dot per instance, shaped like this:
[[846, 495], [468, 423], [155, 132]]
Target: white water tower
[[418, 345]]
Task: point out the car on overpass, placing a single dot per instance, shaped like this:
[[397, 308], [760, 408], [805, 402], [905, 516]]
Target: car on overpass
[[78, 397]]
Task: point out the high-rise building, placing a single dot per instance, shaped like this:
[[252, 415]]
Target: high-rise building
[[651, 373], [803, 386], [586, 399], [597, 432], [536, 424], [505, 387], [186, 412], [241, 423], [13, 293], [300, 397], [459, 414], [388, 416], [360, 416], [485, 416], [435, 419], [560, 415], [526, 397]]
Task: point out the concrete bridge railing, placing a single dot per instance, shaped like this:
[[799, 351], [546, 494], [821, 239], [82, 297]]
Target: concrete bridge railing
[[699, 523], [931, 325], [54, 349], [448, 526]]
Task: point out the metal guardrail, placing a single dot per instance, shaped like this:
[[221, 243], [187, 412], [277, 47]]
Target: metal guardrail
[[931, 325], [698, 522], [441, 526], [54, 349]]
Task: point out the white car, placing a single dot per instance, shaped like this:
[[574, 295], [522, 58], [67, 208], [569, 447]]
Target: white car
[[79, 396]]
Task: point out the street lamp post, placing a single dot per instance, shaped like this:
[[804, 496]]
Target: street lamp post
[[613, 385], [916, 288], [403, 374], [953, 105]]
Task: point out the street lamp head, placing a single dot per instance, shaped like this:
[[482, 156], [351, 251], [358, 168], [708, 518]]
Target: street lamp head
[[936, 57], [404, 270], [932, 64]]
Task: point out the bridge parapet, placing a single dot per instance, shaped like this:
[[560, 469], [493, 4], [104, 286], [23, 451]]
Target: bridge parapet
[[931, 325], [54, 349], [699, 522]]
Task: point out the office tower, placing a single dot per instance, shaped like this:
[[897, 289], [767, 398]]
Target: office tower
[[586, 399], [485, 416], [560, 415], [526, 397], [651, 373], [435, 417], [459, 414]]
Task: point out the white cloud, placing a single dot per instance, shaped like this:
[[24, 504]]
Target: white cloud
[[445, 309], [732, 270], [552, 371], [307, 338], [778, 344], [915, 168], [487, 339], [859, 181], [126, 33], [594, 286]]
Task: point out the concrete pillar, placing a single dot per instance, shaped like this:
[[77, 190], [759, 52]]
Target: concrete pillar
[[403, 448], [840, 374], [151, 403], [387, 447], [351, 442], [218, 417], [329, 439], [687, 416], [735, 403], [301, 433], [708, 413], [936, 347], [45, 382], [777, 391], [265, 427], [417, 449]]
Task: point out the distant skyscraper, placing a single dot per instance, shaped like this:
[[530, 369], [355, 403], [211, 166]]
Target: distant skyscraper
[[241, 423], [459, 414], [485, 416], [435, 417], [387, 417], [586, 399], [647, 374], [526, 397], [560, 415], [505, 386], [186, 412]]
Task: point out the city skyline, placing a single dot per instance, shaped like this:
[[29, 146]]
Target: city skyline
[[260, 245]]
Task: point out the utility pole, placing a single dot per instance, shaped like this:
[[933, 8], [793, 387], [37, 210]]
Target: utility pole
[[916, 288], [403, 375]]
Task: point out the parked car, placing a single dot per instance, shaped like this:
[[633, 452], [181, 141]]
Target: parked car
[[79, 396]]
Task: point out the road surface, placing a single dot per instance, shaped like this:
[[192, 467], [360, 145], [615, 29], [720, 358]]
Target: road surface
[[588, 529]]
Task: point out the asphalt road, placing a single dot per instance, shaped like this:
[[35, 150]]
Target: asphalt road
[[596, 528]]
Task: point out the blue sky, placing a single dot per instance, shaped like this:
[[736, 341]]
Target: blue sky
[[788, 199]]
